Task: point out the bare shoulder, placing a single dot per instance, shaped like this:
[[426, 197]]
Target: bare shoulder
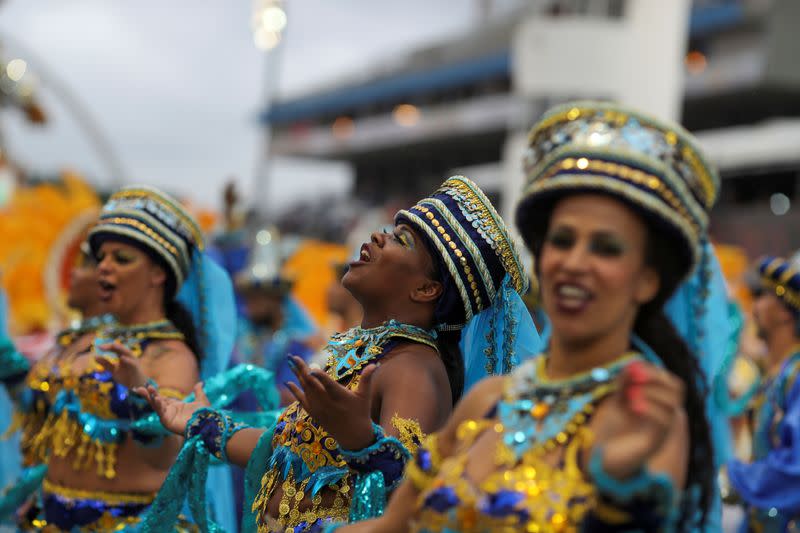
[[170, 356], [411, 362]]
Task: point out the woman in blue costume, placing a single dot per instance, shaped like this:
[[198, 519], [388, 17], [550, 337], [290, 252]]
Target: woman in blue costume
[[606, 430], [102, 473], [448, 262], [769, 485]]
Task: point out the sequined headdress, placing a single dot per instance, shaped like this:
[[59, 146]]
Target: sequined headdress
[[151, 219], [782, 278], [483, 278], [472, 243], [653, 166]]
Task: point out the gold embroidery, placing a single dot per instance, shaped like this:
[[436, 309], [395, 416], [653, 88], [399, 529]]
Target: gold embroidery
[[110, 498], [555, 499], [409, 432]]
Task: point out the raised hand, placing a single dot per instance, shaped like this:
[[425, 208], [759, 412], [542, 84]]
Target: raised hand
[[174, 414], [646, 406], [125, 368], [344, 414]]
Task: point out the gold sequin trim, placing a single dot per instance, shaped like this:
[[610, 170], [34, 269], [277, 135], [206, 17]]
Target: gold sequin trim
[[673, 135], [111, 498], [177, 210], [144, 228], [507, 251]]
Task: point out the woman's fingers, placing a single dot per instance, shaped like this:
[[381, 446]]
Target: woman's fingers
[[309, 383], [200, 394], [107, 364], [117, 348], [298, 394]]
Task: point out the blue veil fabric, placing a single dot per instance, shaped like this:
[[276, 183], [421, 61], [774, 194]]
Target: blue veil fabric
[[705, 325], [206, 293], [700, 313], [499, 338]]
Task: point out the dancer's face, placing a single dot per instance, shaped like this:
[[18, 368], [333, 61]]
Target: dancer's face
[[592, 268], [393, 266], [770, 313], [126, 275]]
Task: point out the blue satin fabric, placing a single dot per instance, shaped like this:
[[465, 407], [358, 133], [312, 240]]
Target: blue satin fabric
[[515, 337], [208, 295], [771, 483]]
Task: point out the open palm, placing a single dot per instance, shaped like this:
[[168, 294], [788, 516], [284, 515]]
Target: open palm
[[174, 414], [344, 413]]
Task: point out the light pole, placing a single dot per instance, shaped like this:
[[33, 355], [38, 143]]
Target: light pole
[[268, 23]]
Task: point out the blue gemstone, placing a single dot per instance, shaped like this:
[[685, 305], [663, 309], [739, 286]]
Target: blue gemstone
[[501, 503], [600, 374], [442, 499], [519, 437]]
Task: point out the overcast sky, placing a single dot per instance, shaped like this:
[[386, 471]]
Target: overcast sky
[[176, 85]]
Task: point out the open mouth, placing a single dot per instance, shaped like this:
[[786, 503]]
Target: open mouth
[[571, 297], [106, 290], [364, 256]]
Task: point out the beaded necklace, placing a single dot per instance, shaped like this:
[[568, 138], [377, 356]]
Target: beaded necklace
[[539, 413], [354, 349], [136, 337], [81, 327]]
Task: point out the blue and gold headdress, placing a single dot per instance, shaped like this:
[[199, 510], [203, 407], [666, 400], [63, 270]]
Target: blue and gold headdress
[[782, 278], [472, 242], [483, 276], [654, 166], [154, 220]]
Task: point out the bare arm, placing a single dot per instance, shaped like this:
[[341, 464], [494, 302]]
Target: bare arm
[[174, 368]]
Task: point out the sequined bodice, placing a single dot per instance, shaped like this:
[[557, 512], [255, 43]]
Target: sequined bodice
[[537, 483], [79, 408], [306, 459], [532, 495]]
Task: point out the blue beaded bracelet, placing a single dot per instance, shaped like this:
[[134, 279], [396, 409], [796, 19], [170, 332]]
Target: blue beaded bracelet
[[215, 429], [386, 454], [644, 485]]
